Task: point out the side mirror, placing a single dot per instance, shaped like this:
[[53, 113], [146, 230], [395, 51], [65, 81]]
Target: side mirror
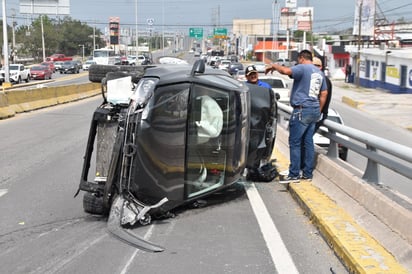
[[277, 95]]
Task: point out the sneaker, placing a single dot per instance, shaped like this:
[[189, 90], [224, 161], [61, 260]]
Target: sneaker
[[303, 177], [288, 179]]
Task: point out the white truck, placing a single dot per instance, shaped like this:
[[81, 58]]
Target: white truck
[[17, 73], [279, 85]]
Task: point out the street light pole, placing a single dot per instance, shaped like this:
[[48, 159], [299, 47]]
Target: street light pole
[[42, 38], [82, 52], [5, 48], [137, 32], [359, 42]]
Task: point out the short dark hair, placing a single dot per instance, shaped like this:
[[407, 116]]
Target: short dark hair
[[306, 54]]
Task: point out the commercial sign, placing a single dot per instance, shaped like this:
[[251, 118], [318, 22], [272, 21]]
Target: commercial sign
[[114, 30]]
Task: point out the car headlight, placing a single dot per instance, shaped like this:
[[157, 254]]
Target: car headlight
[[144, 90]]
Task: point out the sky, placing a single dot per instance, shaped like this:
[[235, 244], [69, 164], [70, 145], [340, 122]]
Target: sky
[[329, 15]]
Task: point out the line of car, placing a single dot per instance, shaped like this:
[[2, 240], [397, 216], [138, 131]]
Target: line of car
[[45, 70]]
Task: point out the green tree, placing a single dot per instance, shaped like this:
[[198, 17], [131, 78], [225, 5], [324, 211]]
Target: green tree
[[65, 36]]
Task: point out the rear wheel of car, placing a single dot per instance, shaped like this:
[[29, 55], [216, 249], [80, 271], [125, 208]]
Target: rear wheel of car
[[93, 204], [98, 72]]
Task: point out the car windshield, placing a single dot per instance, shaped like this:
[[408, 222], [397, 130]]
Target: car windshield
[[335, 119], [274, 83]]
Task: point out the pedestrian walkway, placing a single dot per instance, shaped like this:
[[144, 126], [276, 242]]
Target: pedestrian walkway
[[386, 106], [359, 252]]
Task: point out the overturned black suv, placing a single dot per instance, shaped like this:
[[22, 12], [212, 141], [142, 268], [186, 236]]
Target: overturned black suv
[[169, 135]]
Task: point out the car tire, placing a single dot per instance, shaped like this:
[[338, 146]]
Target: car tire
[[98, 72], [93, 204]]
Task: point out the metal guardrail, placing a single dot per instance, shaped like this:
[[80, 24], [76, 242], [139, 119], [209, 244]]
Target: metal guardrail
[[395, 157]]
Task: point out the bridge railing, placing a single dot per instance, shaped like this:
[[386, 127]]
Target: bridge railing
[[396, 157]]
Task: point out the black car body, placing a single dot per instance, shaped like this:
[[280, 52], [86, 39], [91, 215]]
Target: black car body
[[185, 133], [70, 67]]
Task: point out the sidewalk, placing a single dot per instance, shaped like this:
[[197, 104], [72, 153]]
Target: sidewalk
[[358, 238], [389, 107]]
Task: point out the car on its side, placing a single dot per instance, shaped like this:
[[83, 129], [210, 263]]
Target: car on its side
[[40, 72], [87, 64], [170, 135], [70, 67], [324, 142]]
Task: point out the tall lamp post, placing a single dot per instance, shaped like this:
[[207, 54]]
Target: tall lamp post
[[359, 44], [82, 52], [137, 32], [5, 48]]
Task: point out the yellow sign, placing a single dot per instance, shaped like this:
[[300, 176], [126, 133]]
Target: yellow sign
[[392, 72]]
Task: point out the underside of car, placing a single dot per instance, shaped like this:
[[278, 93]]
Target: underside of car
[[170, 135]]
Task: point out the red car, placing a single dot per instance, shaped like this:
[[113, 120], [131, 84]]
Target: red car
[[40, 72], [50, 65]]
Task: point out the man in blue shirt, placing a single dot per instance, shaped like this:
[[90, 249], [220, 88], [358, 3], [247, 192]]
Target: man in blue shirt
[[252, 77], [308, 97]]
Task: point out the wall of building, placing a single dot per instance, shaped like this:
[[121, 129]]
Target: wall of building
[[389, 69]]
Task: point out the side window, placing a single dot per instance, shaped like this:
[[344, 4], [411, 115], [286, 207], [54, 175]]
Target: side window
[[206, 140]]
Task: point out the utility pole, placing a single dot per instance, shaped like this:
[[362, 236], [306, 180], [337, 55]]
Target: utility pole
[[42, 38], [359, 43], [14, 37], [5, 49]]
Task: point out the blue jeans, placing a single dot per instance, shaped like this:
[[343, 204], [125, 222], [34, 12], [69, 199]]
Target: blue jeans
[[301, 129]]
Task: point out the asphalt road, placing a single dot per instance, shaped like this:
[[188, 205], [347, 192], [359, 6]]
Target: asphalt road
[[250, 228]]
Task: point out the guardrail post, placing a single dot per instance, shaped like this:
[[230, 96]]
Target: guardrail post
[[333, 151], [372, 169]]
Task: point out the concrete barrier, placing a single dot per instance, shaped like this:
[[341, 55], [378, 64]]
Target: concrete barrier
[[366, 229], [17, 101]]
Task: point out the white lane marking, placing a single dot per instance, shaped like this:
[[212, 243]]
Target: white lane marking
[[280, 255], [129, 262], [3, 191]]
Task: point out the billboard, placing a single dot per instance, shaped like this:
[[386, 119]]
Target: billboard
[[304, 18], [287, 18], [114, 30], [291, 4], [252, 26], [366, 15], [47, 7]]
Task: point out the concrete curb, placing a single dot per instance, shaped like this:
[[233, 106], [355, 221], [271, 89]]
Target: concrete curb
[[339, 204], [351, 102], [17, 101]]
